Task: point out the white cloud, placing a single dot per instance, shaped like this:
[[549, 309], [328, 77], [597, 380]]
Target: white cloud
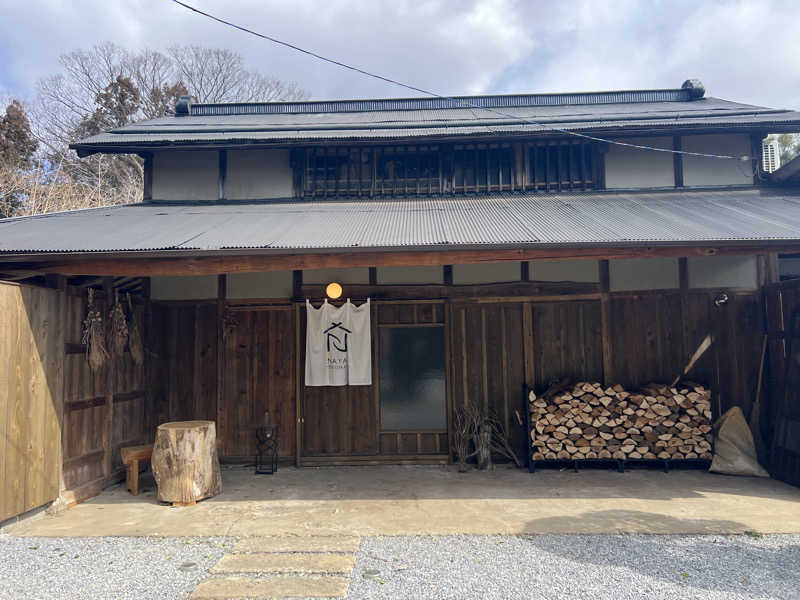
[[745, 51]]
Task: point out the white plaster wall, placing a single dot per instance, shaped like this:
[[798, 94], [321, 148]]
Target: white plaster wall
[[699, 170], [199, 287], [486, 273], [632, 274], [583, 271], [270, 284], [410, 275], [255, 174], [635, 168], [354, 275], [723, 272], [186, 175]]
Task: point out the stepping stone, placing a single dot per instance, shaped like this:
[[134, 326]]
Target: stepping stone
[[322, 543], [324, 564], [273, 587]]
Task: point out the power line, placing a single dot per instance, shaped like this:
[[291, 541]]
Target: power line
[[461, 101]]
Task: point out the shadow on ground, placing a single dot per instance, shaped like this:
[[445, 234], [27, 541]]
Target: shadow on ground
[[704, 562]]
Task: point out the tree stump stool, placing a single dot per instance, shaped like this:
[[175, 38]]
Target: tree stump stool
[[185, 462]]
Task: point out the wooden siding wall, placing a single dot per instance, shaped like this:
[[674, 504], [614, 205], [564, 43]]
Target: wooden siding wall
[[103, 411], [31, 380], [258, 376], [257, 371], [654, 334], [496, 347], [184, 361], [780, 418]]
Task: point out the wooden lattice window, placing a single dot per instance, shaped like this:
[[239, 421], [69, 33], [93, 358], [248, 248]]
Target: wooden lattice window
[[557, 166], [482, 168], [372, 171], [448, 169]]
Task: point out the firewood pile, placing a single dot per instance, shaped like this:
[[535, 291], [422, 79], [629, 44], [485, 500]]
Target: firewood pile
[[587, 421]]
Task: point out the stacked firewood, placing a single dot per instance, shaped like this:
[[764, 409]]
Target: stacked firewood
[[585, 421]]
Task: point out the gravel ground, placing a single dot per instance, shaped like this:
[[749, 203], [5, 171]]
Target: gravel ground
[[556, 567], [108, 568]]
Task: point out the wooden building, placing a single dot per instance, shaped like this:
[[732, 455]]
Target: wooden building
[[502, 241]]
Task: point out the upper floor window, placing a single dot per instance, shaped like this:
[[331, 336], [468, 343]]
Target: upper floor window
[[562, 166], [447, 169]]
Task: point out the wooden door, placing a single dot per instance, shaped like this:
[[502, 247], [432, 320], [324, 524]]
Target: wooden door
[[258, 376]]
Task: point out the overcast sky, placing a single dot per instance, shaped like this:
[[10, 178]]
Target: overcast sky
[[743, 51]]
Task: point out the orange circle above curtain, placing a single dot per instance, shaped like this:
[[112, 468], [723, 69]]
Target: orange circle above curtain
[[334, 290]]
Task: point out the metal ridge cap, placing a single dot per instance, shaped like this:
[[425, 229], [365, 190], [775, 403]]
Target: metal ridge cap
[[422, 102]]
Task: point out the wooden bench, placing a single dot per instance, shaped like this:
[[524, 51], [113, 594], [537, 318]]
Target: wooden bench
[[132, 456]]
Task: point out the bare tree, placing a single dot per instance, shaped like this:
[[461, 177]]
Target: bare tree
[[108, 86], [219, 75]]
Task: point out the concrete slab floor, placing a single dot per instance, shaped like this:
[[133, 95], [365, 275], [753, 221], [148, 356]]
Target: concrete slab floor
[[437, 500]]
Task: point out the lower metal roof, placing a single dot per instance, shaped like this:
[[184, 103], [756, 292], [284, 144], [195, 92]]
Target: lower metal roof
[[568, 220]]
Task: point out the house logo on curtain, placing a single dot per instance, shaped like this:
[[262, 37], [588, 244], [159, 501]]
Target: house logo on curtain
[[338, 345], [333, 332]]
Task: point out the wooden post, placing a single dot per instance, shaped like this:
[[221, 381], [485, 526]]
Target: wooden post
[[524, 271], [223, 173], [677, 161], [298, 376], [605, 322], [147, 170], [768, 269], [108, 380], [683, 277], [222, 292], [448, 274], [528, 344]]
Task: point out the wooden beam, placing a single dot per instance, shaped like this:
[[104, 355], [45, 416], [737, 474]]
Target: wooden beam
[[422, 292], [605, 321], [212, 265]]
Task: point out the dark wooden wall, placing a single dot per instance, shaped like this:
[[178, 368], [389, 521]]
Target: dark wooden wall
[[183, 362], [493, 347], [103, 411], [258, 377], [655, 334]]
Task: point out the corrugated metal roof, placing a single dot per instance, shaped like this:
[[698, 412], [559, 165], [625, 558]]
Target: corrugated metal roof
[[682, 217], [397, 120]]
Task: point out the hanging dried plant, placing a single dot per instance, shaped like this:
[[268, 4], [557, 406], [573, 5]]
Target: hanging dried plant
[[229, 323], [135, 344], [93, 335], [119, 327]]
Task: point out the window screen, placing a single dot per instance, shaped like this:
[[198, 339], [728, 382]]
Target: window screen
[[412, 378]]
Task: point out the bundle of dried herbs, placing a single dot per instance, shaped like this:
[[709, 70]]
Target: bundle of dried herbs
[[135, 344], [93, 335], [119, 327]]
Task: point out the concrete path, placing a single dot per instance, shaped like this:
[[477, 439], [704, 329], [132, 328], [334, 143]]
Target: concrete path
[[282, 567], [397, 500]]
